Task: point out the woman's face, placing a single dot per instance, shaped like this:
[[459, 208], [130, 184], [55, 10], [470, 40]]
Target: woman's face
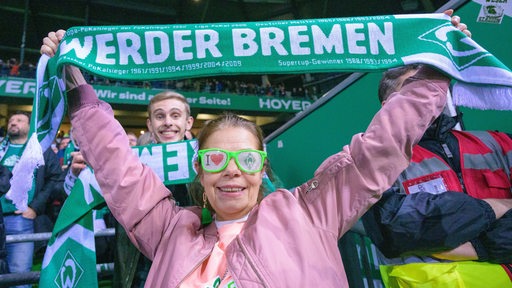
[[231, 192]]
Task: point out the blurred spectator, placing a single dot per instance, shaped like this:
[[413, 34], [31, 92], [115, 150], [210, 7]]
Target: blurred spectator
[[14, 67], [5, 185], [24, 70], [2, 131], [269, 90], [189, 135], [47, 179], [243, 88], [300, 92], [4, 69], [132, 138], [281, 90], [219, 87], [145, 139], [63, 144], [54, 146]]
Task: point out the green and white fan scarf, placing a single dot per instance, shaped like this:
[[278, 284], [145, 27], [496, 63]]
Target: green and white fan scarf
[[360, 44], [70, 258]]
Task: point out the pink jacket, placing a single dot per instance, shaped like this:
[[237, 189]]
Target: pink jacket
[[291, 238]]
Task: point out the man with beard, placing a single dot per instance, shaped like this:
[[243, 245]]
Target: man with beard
[[47, 180]]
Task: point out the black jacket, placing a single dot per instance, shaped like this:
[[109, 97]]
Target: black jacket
[[49, 181], [421, 224], [5, 177]]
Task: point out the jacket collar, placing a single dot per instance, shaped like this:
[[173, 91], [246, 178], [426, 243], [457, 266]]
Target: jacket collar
[[441, 127]]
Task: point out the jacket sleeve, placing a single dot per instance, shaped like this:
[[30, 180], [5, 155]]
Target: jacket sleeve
[[135, 195], [49, 180], [422, 223], [5, 178], [495, 244], [348, 183]]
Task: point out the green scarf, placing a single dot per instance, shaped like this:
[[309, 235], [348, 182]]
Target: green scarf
[[361, 44]]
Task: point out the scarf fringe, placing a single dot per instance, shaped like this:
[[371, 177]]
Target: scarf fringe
[[23, 173], [483, 97]]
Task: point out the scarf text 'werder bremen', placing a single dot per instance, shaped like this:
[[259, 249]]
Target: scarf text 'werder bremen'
[[373, 43], [297, 46]]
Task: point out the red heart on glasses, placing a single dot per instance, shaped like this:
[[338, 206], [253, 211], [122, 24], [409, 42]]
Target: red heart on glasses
[[217, 158]]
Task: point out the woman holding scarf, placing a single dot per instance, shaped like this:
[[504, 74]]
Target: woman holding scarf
[[288, 238]]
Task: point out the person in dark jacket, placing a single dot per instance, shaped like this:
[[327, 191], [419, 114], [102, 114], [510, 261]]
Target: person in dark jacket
[[5, 185], [463, 208], [47, 179]]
